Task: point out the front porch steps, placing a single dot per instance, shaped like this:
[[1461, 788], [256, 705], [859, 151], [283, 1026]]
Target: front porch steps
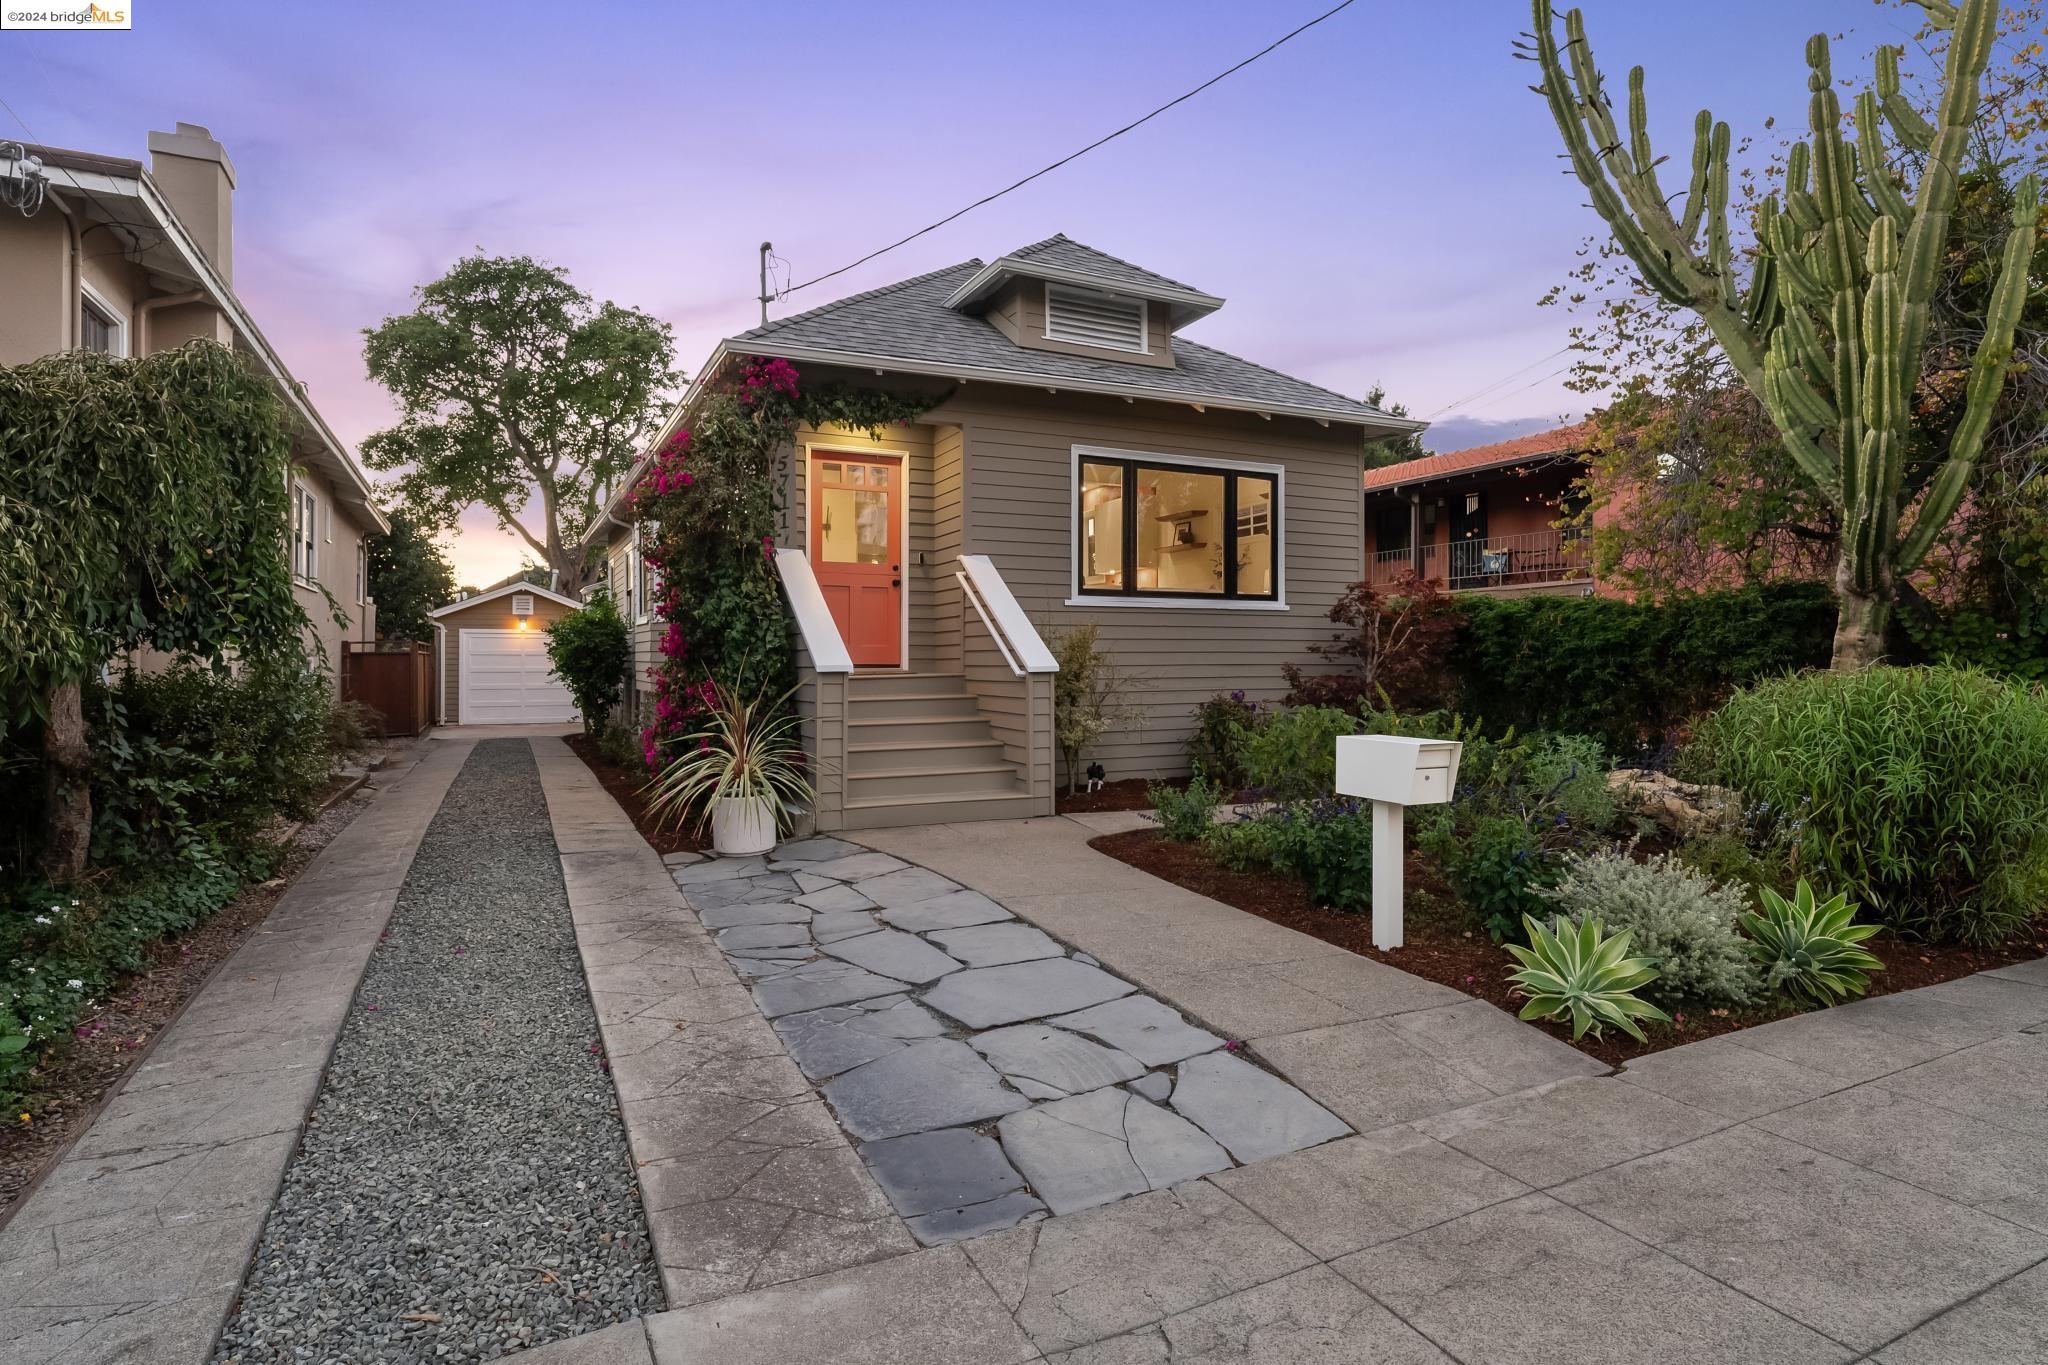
[[919, 751]]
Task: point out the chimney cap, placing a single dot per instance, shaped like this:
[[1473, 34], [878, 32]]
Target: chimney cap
[[195, 141]]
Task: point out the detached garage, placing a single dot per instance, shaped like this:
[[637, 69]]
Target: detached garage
[[493, 655]]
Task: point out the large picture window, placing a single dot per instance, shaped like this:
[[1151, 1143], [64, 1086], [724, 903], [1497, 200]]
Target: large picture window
[[1153, 528]]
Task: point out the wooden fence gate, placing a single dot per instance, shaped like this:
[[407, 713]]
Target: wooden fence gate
[[393, 680]]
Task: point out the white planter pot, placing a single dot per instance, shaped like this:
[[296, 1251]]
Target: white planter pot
[[743, 826]]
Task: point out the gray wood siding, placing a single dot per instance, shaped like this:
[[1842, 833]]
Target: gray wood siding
[[948, 500], [1018, 462]]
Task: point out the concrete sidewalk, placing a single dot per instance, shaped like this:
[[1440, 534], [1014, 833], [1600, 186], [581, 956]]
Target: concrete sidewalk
[[134, 1246]]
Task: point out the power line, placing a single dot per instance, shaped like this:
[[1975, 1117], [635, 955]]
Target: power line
[[1073, 156], [1562, 369], [1488, 388]]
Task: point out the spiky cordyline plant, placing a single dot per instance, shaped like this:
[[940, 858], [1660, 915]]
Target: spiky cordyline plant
[[1578, 972], [1808, 946], [1829, 331], [739, 749]]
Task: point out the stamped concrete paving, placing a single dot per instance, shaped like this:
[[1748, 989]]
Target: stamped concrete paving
[[134, 1246], [1855, 1184]]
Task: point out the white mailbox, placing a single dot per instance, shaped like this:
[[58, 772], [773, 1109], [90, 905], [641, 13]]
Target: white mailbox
[[1407, 772], [1394, 772]]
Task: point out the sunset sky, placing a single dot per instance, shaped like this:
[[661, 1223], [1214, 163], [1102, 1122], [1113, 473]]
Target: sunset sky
[[1379, 200]]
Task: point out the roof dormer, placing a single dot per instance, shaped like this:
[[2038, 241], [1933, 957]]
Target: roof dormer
[[1058, 295]]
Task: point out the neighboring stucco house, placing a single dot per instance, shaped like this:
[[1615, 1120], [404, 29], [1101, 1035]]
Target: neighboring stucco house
[[130, 260], [1484, 519], [1083, 461]]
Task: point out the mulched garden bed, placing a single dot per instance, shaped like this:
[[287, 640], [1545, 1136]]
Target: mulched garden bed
[[71, 1086], [624, 784], [1130, 793], [1441, 950]]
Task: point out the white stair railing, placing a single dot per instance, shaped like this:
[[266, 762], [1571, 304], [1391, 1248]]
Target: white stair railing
[[1021, 646], [813, 618]]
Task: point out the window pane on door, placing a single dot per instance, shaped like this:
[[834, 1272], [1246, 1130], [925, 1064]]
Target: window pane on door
[[1180, 531], [854, 526], [1102, 526], [1254, 536]]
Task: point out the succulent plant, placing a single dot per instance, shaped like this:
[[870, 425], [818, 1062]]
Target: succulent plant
[[1580, 972], [1829, 329], [1807, 946]]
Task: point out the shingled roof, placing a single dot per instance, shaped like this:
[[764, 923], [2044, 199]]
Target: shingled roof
[[908, 326]]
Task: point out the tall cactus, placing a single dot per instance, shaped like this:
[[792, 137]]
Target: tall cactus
[[1829, 329]]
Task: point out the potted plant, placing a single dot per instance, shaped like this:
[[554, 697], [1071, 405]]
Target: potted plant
[[741, 766]]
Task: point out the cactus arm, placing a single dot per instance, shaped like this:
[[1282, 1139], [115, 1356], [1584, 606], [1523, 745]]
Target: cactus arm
[[1969, 51], [1798, 197], [1696, 192], [1870, 481], [1907, 124], [1987, 378], [1940, 13], [1640, 220], [1818, 465], [1720, 253], [1761, 305], [1640, 151], [1870, 162]]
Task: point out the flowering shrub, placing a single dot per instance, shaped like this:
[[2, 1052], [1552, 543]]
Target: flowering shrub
[[1326, 842], [709, 505]]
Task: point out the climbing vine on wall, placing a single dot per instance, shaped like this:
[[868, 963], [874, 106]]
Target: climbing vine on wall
[[707, 508]]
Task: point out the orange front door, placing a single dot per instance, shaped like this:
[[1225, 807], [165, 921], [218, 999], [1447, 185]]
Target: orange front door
[[857, 551]]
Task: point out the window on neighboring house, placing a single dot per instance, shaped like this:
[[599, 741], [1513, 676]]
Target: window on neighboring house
[[1155, 529], [99, 326], [1087, 318], [362, 575], [305, 521]]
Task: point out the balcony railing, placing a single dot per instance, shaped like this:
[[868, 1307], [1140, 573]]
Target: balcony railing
[[1490, 562]]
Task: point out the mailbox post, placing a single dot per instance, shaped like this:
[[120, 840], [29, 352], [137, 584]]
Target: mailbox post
[[1393, 772]]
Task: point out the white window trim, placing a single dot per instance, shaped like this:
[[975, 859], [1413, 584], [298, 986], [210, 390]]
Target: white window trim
[[636, 580], [1144, 346], [1076, 598], [117, 320], [362, 574], [305, 556]]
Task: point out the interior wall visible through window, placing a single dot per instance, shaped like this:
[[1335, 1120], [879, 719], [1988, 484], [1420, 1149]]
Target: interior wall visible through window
[[1157, 529]]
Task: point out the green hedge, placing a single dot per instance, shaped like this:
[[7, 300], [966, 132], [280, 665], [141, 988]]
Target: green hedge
[[1629, 671]]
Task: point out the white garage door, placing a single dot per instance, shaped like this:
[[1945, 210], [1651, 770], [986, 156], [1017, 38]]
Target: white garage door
[[508, 680]]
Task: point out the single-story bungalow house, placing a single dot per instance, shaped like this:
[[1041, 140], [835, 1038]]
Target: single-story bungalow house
[[1084, 461]]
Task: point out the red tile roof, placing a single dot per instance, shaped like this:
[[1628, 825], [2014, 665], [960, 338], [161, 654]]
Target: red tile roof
[[1556, 441]]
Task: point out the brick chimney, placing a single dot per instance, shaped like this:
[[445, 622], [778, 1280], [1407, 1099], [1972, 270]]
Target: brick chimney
[[195, 174]]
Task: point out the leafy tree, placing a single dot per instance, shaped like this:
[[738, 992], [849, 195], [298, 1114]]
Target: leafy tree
[[409, 577], [142, 505], [592, 654], [1827, 326], [520, 395], [1386, 450], [1393, 650]]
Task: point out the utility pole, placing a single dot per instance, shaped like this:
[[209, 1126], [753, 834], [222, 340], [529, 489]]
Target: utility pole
[[767, 249]]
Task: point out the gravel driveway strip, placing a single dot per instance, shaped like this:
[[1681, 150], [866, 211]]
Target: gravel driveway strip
[[463, 1189]]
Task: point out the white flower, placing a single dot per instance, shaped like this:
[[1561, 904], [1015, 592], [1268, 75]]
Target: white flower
[[75, 984], [43, 919]]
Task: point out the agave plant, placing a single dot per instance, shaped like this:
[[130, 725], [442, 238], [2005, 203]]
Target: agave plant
[[1579, 972], [1808, 946], [739, 750]]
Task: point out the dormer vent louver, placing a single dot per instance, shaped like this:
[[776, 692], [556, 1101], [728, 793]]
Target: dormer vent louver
[[1086, 318]]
